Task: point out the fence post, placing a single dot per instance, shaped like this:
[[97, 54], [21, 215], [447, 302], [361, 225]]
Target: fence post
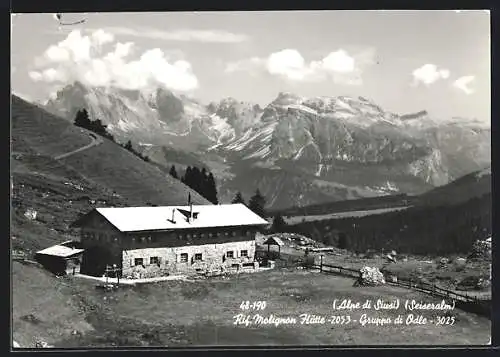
[[106, 273]]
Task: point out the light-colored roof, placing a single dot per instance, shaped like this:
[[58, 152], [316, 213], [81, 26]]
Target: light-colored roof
[[60, 251], [133, 219], [274, 241]]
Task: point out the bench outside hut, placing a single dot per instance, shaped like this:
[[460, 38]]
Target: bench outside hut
[[274, 241]]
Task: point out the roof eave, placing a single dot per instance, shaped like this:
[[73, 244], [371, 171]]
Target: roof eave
[[179, 228]]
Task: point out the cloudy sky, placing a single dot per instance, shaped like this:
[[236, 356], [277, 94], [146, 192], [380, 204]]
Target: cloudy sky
[[404, 61]]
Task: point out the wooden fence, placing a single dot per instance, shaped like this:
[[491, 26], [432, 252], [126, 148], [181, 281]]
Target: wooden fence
[[463, 301]]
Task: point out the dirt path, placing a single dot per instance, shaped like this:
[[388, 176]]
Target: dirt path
[[96, 140]]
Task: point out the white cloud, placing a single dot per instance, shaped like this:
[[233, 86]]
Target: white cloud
[[338, 61], [244, 65], [84, 58], [288, 63], [462, 83], [35, 76], [214, 36], [48, 75], [339, 66], [101, 37], [428, 74]]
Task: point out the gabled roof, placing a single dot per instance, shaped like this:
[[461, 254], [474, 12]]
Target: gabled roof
[[274, 241], [61, 250], [136, 219]]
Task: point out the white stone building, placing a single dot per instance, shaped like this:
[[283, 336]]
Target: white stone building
[[155, 241]]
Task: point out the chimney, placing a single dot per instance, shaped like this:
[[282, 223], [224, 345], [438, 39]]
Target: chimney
[[173, 215], [190, 203], [190, 211]]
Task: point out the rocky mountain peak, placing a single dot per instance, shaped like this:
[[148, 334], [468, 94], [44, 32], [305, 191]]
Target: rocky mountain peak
[[285, 98]]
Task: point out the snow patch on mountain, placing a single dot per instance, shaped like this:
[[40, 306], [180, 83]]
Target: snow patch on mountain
[[301, 107]]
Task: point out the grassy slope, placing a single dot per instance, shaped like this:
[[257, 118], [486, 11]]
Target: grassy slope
[[108, 164], [178, 313], [308, 218], [49, 300], [46, 134], [61, 190], [458, 191], [348, 205]]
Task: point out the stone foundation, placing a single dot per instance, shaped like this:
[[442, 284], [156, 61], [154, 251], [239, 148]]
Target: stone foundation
[[171, 260]]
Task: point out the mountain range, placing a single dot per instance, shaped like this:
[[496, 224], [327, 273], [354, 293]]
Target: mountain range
[[296, 150]]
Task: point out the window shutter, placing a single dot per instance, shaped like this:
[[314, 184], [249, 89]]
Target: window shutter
[[131, 262]]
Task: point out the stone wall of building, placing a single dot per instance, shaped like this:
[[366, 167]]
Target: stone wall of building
[[214, 257], [105, 245]]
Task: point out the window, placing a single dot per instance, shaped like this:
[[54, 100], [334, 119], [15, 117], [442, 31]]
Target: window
[[226, 233], [203, 235], [188, 236], [180, 236], [195, 235], [149, 238], [218, 234], [184, 257], [198, 256], [154, 260], [249, 233], [138, 261], [230, 254], [233, 233], [210, 234], [244, 253]]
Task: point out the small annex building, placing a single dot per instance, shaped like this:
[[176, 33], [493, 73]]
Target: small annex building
[[61, 259], [157, 241]]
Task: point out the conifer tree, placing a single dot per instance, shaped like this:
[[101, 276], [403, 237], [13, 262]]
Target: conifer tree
[[128, 146], [238, 198], [257, 203], [173, 172], [212, 189], [279, 225], [82, 119]]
